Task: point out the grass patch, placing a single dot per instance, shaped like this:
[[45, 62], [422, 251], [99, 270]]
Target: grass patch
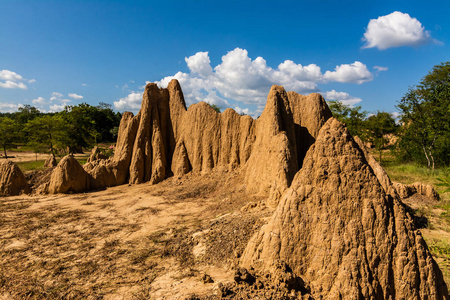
[[34, 165], [410, 173], [37, 165]]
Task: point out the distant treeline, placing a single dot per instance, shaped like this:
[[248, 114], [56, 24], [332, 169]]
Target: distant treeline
[[68, 131]]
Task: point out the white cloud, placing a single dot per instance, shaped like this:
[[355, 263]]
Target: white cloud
[[32, 81], [132, 102], [56, 96], [10, 75], [58, 102], [342, 97], [395, 30], [199, 64], [8, 84], [75, 96], [84, 84], [380, 69], [12, 80], [57, 107], [9, 107], [241, 111], [240, 81], [356, 72], [395, 114], [39, 101]]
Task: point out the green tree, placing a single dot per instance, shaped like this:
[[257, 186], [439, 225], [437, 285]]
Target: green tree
[[9, 131], [425, 134], [26, 113], [78, 129], [378, 127], [352, 117], [439, 75], [46, 133]]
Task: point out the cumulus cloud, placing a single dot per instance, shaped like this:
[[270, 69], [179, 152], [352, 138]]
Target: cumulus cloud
[[75, 96], [39, 101], [199, 64], [10, 75], [132, 102], [9, 107], [242, 111], [356, 72], [395, 30], [32, 81], [342, 97], [8, 84], [12, 80], [57, 107], [241, 81], [56, 96], [58, 103]]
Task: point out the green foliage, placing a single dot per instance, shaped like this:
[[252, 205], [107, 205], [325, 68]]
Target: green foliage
[[444, 182], [439, 75], [9, 132], [79, 128], [425, 134], [215, 107], [27, 113], [352, 117], [74, 128], [378, 126], [104, 119], [46, 133], [114, 132]]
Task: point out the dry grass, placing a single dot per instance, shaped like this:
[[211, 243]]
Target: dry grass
[[117, 241], [53, 252]]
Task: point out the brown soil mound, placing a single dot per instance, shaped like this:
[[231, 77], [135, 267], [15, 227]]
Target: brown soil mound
[[342, 234], [50, 162], [12, 181], [166, 139], [408, 190], [68, 176]]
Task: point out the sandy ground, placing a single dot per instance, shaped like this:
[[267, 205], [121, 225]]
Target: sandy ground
[[23, 156], [127, 242], [28, 156]]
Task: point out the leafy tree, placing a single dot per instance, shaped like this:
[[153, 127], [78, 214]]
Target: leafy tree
[[78, 129], [46, 133], [425, 115], [9, 131], [27, 113], [439, 75], [22, 116], [378, 127], [353, 117], [114, 132], [425, 109], [105, 119]]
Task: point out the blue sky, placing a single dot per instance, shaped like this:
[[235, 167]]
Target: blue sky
[[229, 53]]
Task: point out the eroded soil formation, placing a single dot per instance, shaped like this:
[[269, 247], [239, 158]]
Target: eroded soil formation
[[314, 215]]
